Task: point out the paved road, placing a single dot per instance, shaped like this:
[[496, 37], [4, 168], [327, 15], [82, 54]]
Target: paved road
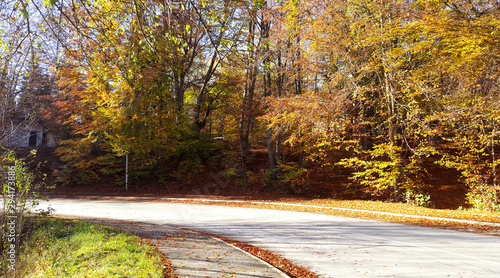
[[328, 245]]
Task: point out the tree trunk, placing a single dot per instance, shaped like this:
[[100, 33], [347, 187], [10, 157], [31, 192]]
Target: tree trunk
[[265, 28], [179, 90], [249, 109], [298, 68], [200, 123], [247, 105]]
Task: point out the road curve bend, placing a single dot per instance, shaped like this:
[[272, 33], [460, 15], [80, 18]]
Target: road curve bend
[[331, 246]]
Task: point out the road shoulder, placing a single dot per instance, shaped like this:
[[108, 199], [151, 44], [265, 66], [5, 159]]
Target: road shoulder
[[193, 254]]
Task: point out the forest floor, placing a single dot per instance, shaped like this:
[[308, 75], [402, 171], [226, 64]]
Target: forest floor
[[445, 189]]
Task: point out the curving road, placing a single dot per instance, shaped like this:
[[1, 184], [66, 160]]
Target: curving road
[[328, 245]]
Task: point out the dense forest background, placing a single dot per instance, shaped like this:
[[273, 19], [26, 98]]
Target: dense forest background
[[372, 89]]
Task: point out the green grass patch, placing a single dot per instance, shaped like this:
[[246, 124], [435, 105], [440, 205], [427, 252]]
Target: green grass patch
[[70, 248]]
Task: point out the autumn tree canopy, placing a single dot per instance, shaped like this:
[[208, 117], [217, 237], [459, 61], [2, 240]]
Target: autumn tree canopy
[[371, 86]]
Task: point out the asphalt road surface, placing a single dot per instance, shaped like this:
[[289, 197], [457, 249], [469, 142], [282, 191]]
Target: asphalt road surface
[[328, 245]]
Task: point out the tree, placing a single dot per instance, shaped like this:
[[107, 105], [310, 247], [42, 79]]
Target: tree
[[151, 86], [368, 85]]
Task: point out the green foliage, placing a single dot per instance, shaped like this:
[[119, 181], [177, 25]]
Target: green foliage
[[229, 173], [484, 198], [81, 161], [379, 171], [246, 179], [420, 199], [294, 177], [25, 185], [63, 248], [383, 168], [19, 189], [193, 154], [290, 178], [240, 178], [24, 192], [50, 2]]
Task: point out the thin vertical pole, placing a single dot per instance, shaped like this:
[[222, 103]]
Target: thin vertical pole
[[126, 172], [493, 154]]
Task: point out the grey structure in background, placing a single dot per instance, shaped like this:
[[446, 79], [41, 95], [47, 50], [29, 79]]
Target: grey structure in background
[[32, 137]]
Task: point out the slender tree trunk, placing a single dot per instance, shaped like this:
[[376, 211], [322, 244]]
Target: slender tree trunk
[[390, 95], [278, 147], [265, 28], [279, 84], [298, 77], [179, 89], [249, 109], [199, 123], [271, 155], [392, 128], [247, 104]]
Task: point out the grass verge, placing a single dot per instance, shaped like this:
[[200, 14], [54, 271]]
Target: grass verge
[[69, 248]]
